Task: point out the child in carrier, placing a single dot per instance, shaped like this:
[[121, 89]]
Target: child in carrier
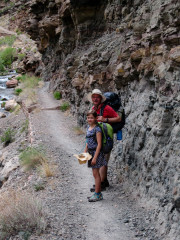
[[93, 146]]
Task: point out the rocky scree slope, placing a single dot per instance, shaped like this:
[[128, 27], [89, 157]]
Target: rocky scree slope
[[132, 48]]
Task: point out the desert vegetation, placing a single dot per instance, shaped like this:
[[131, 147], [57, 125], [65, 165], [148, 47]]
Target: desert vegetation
[[8, 136], [20, 213], [6, 58], [57, 95], [64, 107], [27, 88], [35, 158]]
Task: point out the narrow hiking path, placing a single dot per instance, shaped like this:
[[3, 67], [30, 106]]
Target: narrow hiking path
[[69, 213]]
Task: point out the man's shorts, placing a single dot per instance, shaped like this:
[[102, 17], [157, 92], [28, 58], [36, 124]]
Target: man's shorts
[[107, 157]]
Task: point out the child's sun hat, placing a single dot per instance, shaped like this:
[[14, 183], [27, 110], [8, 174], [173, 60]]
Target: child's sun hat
[[83, 157]]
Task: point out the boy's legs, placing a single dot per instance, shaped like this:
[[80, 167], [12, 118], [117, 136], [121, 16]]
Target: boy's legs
[[97, 178], [97, 196], [103, 175]]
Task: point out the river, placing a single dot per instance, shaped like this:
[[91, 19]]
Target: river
[[6, 93]]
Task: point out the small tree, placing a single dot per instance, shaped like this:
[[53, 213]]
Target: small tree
[[7, 56]]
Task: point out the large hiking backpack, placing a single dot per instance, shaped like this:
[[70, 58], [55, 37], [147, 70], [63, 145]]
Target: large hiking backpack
[[114, 101], [107, 137]]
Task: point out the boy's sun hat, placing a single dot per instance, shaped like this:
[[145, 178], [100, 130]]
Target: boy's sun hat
[[83, 157], [96, 91]]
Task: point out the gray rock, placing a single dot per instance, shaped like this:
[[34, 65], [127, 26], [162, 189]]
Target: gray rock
[[133, 49], [2, 115]]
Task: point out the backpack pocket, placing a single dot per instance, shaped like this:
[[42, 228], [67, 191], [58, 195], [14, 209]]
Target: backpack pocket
[[108, 146]]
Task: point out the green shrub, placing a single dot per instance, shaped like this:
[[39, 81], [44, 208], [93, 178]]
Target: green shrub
[[17, 91], [7, 56], [8, 136], [32, 157], [7, 8], [3, 104], [39, 187], [64, 107], [21, 56], [29, 82], [57, 95], [19, 78], [2, 68], [25, 126], [7, 40], [18, 32], [12, 18]]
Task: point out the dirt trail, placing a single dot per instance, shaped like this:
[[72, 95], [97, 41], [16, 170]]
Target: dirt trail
[[70, 214]]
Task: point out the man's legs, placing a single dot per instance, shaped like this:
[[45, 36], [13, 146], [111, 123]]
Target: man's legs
[[103, 171]]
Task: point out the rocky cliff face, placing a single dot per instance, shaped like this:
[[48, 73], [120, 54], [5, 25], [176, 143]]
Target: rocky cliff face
[[132, 48]]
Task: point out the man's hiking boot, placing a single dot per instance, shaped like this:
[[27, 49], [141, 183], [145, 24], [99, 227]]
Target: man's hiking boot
[[103, 188], [106, 183], [96, 197]]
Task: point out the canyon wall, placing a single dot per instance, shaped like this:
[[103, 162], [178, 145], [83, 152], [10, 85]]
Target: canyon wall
[[131, 47]]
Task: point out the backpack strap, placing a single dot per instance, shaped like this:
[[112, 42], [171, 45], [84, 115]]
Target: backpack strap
[[102, 109], [105, 130]]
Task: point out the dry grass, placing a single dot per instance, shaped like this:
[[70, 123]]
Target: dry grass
[[67, 113], [37, 110], [20, 211], [35, 158], [78, 130], [46, 170], [29, 84], [30, 96], [40, 84], [17, 109]]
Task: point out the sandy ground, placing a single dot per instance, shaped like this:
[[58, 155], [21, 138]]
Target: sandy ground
[[69, 214]]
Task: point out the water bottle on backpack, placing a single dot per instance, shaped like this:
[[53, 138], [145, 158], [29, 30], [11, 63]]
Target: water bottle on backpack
[[119, 135]]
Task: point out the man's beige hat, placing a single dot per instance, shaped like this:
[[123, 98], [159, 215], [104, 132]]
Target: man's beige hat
[[83, 157], [96, 91]]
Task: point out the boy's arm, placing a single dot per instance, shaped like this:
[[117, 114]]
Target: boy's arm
[[98, 149], [86, 148]]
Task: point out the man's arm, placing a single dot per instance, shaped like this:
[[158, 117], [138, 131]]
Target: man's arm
[[109, 115], [109, 120]]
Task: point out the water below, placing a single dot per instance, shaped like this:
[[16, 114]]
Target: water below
[[6, 93]]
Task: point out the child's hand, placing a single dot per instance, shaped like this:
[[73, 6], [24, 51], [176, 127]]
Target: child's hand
[[93, 162]]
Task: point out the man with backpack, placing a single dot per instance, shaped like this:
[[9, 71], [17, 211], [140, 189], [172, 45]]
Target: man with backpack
[[106, 114]]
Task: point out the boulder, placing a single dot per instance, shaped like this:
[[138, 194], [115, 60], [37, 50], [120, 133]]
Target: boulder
[[78, 82], [12, 83], [10, 105], [4, 99], [175, 54], [2, 115], [138, 54], [31, 62], [9, 166]]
